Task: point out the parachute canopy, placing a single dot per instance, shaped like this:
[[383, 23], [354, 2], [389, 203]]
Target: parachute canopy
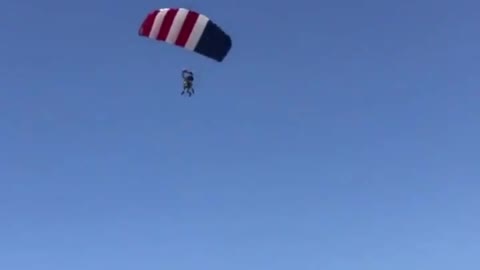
[[187, 29]]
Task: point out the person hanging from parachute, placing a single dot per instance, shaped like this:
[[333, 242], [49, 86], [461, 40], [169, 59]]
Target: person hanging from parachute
[[190, 30], [187, 76]]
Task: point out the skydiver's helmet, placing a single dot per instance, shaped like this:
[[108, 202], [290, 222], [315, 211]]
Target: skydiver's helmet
[[187, 75]]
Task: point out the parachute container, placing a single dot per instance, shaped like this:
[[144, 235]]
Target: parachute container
[[187, 29]]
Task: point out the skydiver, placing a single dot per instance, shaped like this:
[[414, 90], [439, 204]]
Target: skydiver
[[188, 82]]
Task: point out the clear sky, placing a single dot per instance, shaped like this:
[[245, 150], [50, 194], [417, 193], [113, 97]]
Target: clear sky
[[336, 135]]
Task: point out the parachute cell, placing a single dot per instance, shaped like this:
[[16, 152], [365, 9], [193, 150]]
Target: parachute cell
[[187, 29]]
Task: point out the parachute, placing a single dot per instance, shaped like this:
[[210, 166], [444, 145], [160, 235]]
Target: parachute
[[187, 29]]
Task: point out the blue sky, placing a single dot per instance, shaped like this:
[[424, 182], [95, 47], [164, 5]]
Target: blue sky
[[336, 135]]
